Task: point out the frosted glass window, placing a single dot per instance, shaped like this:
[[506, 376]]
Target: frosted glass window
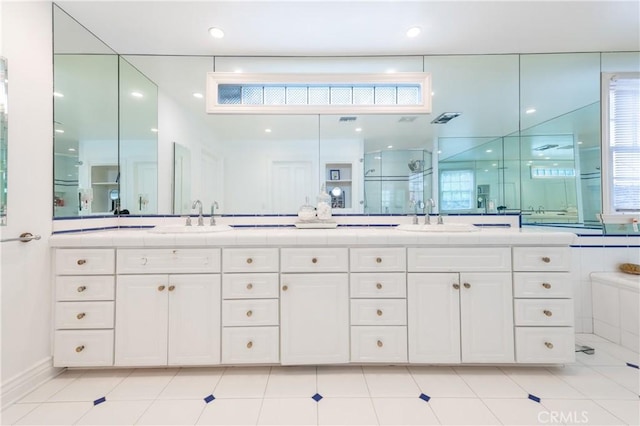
[[456, 190], [274, 96], [229, 94], [385, 96], [318, 96], [252, 95], [297, 95], [341, 96], [408, 95], [363, 96]]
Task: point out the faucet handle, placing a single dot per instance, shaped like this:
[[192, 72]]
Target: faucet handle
[[188, 221]]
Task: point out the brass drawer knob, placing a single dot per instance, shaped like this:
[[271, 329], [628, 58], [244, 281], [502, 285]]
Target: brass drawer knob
[[548, 345], [379, 286], [467, 285], [285, 287], [546, 285], [249, 286], [249, 345], [547, 312], [172, 287], [79, 348], [456, 286], [81, 315], [314, 260], [546, 259], [81, 261], [82, 288], [249, 260], [161, 288], [379, 312], [380, 344], [378, 260], [249, 313]]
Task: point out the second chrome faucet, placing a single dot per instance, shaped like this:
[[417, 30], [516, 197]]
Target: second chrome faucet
[[198, 203]]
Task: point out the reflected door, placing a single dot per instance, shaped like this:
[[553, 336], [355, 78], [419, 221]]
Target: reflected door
[[291, 183]]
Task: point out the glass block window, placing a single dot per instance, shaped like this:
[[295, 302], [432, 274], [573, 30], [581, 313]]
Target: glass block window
[[340, 96], [297, 96], [363, 96], [252, 95], [408, 96], [456, 190], [385, 96], [229, 94], [552, 172], [274, 96]]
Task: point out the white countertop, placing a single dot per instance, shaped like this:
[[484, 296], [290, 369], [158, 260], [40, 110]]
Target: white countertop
[[342, 236]]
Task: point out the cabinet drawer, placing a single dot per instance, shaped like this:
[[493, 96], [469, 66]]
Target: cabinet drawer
[[378, 344], [378, 259], [551, 345], [370, 285], [83, 348], [459, 259], [85, 261], [250, 260], [250, 345], [73, 315], [541, 259], [249, 312], [542, 284], [544, 312], [90, 287], [378, 312], [314, 259], [144, 261], [250, 286]]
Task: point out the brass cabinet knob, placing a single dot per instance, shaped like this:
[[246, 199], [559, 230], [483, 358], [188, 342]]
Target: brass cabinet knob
[[79, 348], [547, 312], [379, 312], [285, 287], [172, 287], [380, 344], [548, 345], [546, 285], [161, 288], [379, 286], [81, 261], [546, 259], [249, 313], [81, 315], [314, 260], [249, 286], [378, 260], [456, 286], [82, 288], [249, 260], [467, 285], [249, 345]]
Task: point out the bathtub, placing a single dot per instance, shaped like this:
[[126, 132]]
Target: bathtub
[[616, 303]]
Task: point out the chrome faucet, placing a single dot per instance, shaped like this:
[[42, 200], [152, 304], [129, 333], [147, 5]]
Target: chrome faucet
[[214, 206], [415, 213], [430, 206], [198, 203]]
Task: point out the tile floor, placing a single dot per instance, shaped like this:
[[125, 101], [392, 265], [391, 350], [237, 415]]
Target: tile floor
[[599, 389]]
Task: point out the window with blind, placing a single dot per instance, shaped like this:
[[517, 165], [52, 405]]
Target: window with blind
[[621, 142]]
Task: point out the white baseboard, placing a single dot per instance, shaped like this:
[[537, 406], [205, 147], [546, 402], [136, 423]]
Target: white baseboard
[[25, 382]]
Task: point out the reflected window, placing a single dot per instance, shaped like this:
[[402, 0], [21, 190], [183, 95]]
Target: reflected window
[[456, 190]]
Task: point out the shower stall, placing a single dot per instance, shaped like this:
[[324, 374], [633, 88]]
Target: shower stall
[[395, 181]]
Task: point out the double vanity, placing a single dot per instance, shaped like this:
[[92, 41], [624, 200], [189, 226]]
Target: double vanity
[[286, 296]]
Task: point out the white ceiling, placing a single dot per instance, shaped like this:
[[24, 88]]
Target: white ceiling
[[316, 28]]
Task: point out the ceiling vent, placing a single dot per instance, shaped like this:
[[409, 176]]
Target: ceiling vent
[[445, 117], [408, 119], [545, 147], [347, 119]]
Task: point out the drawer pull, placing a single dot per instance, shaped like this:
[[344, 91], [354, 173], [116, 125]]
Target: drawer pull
[[548, 345], [249, 286], [546, 259], [161, 288], [81, 261], [172, 287], [379, 312], [82, 288], [378, 260], [547, 312], [379, 286], [79, 348], [249, 345], [144, 261], [380, 344], [314, 260], [285, 287], [81, 315], [546, 285], [249, 313], [456, 286], [249, 260], [467, 285]]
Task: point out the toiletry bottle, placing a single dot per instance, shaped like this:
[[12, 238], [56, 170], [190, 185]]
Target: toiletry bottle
[[323, 207]]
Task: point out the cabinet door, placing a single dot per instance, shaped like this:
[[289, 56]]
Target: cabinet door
[[141, 320], [434, 317], [194, 319], [314, 318], [486, 316]]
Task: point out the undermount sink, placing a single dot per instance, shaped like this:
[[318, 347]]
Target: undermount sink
[[183, 229], [446, 227]]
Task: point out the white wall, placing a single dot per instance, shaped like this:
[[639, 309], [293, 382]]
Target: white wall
[[26, 280]]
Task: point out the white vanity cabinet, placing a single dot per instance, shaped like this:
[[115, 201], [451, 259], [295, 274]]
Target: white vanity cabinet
[[314, 306], [543, 305], [378, 304], [464, 316], [84, 307]]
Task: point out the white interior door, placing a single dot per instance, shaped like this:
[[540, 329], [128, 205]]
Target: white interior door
[[145, 188], [290, 184]]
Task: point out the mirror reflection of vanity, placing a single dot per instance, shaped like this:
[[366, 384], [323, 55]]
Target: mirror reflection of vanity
[[525, 139]]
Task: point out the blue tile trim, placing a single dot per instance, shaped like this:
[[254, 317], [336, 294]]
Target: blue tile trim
[[317, 397], [424, 397], [534, 398], [605, 246], [633, 365], [209, 398], [111, 216], [99, 401], [136, 227], [71, 231]]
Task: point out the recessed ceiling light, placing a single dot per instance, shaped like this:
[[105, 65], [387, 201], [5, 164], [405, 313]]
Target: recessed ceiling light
[[154, 130], [137, 94], [489, 150], [530, 111], [391, 71], [377, 158], [72, 150], [579, 142], [389, 146], [238, 70], [413, 32], [555, 164], [439, 151], [547, 158], [540, 154], [58, 95], [486, 170], [198, 95], [216, 32], [495, 164], [59, 131], [358, 129], [267, 130]]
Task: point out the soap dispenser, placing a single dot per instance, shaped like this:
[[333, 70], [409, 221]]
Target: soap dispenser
[[323, 207]]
